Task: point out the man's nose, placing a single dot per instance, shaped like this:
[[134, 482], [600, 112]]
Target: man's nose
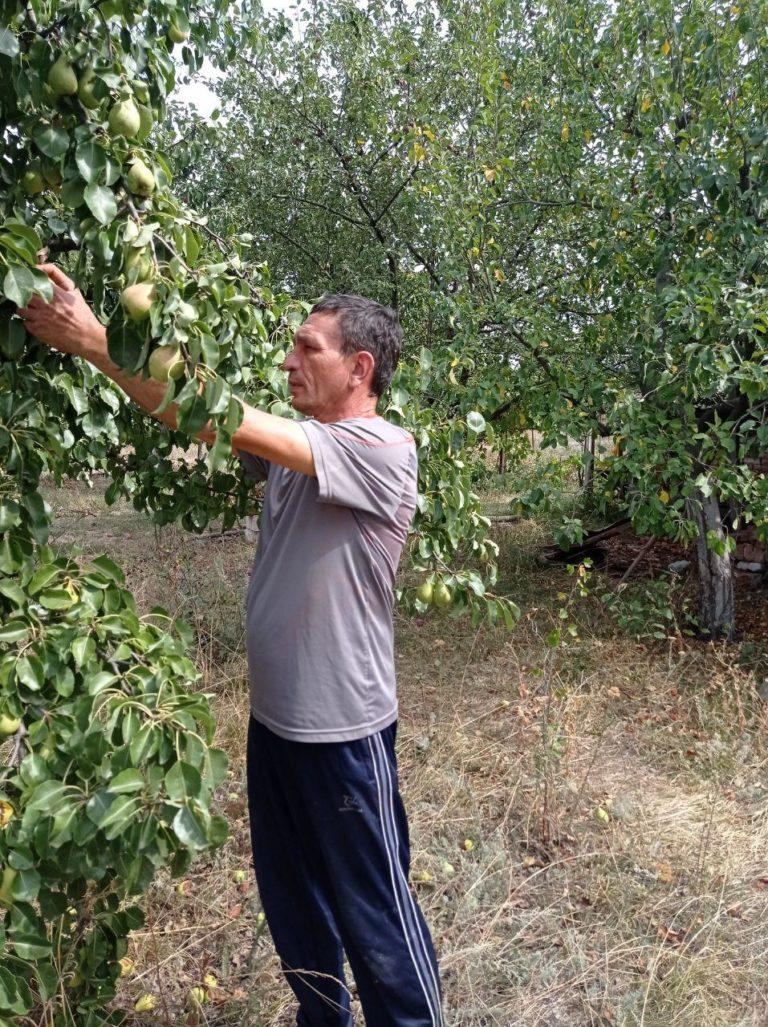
[[289, 364]]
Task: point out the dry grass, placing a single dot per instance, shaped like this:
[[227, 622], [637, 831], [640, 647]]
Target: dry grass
[[615, 796]]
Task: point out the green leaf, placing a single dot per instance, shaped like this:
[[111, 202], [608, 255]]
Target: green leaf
[[189, 830], [182, 782], [475, 421], [30, 946], [9, 44], [126, 345], [130, 780], [56, 599], [91, 160], [19, 285], [101, 202], [49, 796], [119, 816], [52, 140]]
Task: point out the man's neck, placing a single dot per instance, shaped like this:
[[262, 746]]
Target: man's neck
[[366, 408]]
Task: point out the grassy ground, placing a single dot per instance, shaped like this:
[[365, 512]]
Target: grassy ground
[[589, 823]]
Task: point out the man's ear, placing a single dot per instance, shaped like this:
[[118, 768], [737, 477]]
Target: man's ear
[[362, 369]]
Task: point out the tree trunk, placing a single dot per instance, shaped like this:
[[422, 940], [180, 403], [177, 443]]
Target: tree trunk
[[715, 571], [502, 462], [588, 464]]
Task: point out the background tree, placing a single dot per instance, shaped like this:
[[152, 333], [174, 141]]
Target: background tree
[[567, 202]]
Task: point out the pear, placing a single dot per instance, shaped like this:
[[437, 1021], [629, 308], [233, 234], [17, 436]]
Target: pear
[[32, 182], [442, 596], [140, 179], [85, 89], [137, 300], [6, 886], [176, 33], [186, 314], [146, 121], [139, 260], [165, 362], [124, 119], [62, 78], [425, 592], [9, 725]]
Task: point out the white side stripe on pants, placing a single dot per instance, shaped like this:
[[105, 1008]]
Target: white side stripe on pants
[[419, 928], [403, 898]]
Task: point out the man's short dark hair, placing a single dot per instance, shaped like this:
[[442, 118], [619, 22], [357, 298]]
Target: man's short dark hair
[[365, 324]]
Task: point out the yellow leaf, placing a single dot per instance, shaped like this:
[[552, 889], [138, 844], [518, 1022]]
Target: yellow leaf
[[602, 815], [565, 132], [664, 496], [6, 813], [498, 274], [454, 362], [645, 105], [126, 966], [490, 174], [525, 103], [709, 236], [587, 135], [665, 47], [430, 134], [416, 153]]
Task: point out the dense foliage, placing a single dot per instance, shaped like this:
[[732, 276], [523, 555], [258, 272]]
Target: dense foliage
[[567, 200]]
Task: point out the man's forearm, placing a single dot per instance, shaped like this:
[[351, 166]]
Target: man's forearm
[[146, 392], [275, 438]]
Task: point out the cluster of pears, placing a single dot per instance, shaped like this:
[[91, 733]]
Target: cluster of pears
[[435, 594], [165, 362]]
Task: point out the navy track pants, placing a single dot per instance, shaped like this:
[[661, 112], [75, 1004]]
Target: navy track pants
[[331, 854]]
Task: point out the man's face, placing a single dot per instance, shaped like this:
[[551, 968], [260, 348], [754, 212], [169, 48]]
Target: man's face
[[319, 374]]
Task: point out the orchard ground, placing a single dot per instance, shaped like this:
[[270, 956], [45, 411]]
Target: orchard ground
[[589, 824]]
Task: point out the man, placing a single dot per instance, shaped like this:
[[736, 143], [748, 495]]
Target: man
[[328, 828]]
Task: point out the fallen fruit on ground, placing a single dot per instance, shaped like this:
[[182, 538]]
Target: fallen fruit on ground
[[165, 362], [145, 1003], [196, 996]]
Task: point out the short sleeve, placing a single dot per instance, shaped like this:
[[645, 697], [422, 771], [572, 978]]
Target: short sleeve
[[366, 465], [255, 467]]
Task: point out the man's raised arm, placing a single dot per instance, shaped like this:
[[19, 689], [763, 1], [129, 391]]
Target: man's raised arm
[[68, 324]]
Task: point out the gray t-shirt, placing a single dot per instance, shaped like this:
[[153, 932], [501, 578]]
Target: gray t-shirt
[[319, 629]]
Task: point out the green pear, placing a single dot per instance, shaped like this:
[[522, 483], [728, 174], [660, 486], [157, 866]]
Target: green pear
[[32, 181], [85, 89], [176, 33], [165, 362], [62, 78], [6, 886], [146, 122], [124, 119], [9, 725], [186, 314], [442, 596], [137, 300], [425, 592], [140, 179]]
